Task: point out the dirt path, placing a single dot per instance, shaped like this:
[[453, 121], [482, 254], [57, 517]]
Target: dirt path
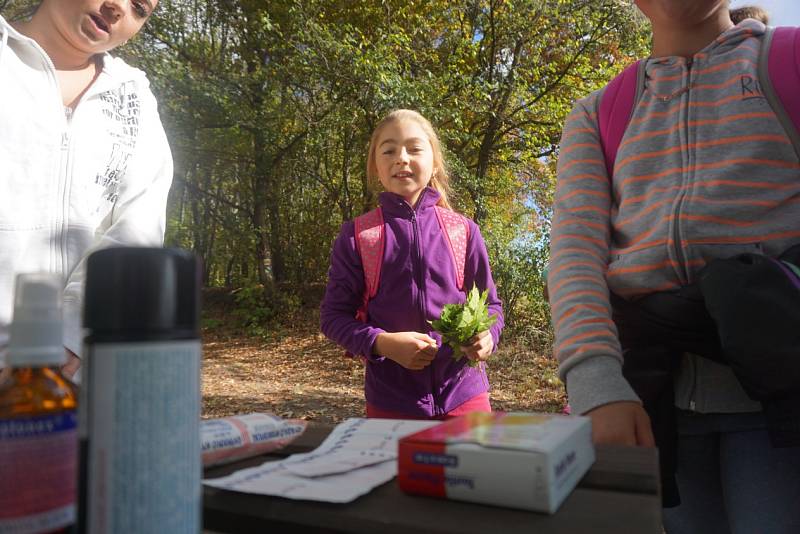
[[299, 373]]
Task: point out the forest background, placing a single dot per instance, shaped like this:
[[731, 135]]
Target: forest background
[[268, 106]]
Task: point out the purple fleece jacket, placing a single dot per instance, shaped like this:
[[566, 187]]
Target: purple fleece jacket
[[417, 279]]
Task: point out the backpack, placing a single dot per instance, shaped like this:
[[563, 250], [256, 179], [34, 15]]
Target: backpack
[[370, 238], [779, 82]]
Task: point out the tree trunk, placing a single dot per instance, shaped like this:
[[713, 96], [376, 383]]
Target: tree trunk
[[260, 188]]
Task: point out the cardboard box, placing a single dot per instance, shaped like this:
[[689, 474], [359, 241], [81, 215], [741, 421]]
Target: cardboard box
[[518, 460]]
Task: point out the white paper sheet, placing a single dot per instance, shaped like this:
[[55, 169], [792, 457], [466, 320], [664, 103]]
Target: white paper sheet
[[359, 455]]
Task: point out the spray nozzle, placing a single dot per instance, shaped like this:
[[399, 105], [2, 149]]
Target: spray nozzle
[[36, 336]]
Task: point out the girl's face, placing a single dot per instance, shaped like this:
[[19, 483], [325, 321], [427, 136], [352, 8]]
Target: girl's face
[[96, 26], [404, 159], [680, 12]]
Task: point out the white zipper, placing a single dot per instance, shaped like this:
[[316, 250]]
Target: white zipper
[[65, 133], [64, 179], [56, 255]]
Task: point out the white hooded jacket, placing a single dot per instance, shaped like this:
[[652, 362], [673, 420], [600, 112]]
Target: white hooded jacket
[[74, 182]]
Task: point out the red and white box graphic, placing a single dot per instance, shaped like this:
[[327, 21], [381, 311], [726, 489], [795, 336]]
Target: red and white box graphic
[[518, 460], [241, 436]]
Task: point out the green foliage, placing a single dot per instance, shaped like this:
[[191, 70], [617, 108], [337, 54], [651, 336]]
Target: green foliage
[[252, 312], [269, 107], [259, 314], [17, 9], [210, 323], [459, 323], [517, 270]]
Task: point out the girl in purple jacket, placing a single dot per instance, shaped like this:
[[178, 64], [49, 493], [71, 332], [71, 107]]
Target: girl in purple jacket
[[409, 374]]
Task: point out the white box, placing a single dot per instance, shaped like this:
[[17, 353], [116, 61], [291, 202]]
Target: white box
[[518, 460]]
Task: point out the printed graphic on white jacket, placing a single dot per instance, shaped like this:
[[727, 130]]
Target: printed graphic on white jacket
[[122, 109]]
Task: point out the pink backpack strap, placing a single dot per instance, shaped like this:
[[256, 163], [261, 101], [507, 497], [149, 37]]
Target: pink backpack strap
[[456, 232], [369, 243], [370, 238], [779, 76], [616, 108]]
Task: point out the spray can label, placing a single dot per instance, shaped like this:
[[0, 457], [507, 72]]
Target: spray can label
[[140, 434]]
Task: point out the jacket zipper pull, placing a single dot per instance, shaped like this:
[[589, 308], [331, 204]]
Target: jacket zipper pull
[[65, 133]]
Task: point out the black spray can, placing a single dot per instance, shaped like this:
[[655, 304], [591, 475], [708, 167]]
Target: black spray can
[[139, 415]]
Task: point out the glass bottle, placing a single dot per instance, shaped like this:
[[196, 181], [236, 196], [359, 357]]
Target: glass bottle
[[38, 419]]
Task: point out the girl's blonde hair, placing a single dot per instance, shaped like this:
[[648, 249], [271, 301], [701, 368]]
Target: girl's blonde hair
[[440, 180]]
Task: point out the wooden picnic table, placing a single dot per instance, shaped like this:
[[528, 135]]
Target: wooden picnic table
[[619, 493]]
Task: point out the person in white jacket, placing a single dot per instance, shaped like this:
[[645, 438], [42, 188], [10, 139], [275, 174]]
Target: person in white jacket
[[84, 160]]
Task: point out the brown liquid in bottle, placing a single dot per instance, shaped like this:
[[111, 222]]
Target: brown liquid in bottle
[[31, 391]]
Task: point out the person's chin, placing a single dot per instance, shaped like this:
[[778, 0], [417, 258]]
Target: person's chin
[[85, 39], [93, 45]]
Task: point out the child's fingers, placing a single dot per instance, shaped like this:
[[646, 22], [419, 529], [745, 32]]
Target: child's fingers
[[429, 350], [424, 337], [479, 336], [420, 361], [425, 350], [480, 356], [487, 343], [473, 345], [426, 355], [478, 343], [480, 350], [470, 351], [480, 346]]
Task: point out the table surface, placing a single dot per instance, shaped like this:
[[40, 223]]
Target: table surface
[[619, 493]]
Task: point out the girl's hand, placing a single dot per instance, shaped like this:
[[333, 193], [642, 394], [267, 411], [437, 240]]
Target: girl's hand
[[621, 423], [480, 347], [412, 350]]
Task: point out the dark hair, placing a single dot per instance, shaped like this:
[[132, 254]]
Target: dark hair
[[749, 12]]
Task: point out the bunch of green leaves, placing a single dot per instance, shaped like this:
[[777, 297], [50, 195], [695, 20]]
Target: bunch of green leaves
[[461, 322]]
